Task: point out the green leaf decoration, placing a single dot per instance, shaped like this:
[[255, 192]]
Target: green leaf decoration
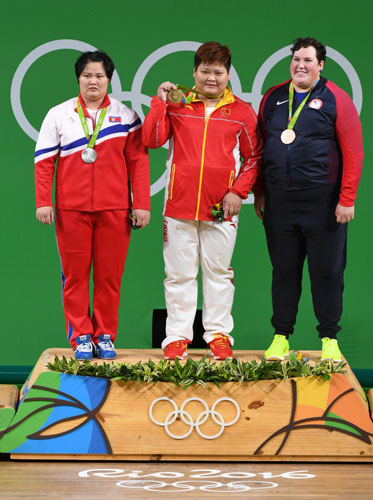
[[199, 372]]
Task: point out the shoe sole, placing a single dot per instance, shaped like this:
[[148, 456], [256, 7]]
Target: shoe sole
[[177, 357], [218, 357], [277, 358], [331, 359]]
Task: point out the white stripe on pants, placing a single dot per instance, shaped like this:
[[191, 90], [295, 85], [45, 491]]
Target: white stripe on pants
[[188, 243]]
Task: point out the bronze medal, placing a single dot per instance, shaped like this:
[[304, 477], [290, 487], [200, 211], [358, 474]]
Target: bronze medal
[[288, 136], [89, 155], [175, 96]]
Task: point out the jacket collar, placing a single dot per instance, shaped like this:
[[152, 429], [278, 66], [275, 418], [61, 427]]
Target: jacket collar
[[104, 104], [227, 98]]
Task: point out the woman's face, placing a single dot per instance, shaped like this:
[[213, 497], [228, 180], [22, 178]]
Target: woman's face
[[211, 78], [305, 68], [93, 83]]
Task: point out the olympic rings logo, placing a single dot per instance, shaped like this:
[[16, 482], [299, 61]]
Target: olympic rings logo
[[188, 420], [188, 485], [137, 98]]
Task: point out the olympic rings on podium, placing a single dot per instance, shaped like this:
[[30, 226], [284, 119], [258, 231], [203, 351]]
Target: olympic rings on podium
[[187, 419]]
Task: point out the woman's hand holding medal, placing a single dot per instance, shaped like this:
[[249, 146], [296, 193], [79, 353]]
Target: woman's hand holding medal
[[139, 218], [164, 89]]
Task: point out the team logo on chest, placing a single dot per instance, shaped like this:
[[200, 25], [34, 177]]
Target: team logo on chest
[[225, 111], [315, 104]]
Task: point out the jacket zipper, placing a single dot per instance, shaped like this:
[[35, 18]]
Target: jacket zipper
[[202, 163], [92, 176], [170, 193], [288, 151], [288, 165]]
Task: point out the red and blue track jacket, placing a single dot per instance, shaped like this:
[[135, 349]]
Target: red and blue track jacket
[[104, 184], [328, 147]]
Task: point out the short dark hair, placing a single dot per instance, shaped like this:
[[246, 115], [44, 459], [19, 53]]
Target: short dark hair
[[96, 56], [310, 42], [213, 52]]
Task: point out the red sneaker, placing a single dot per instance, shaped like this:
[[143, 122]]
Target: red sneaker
[[221, 347], [177, 349]]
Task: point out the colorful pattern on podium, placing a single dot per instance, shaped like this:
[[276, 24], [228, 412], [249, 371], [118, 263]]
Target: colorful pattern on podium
[[305, 419]]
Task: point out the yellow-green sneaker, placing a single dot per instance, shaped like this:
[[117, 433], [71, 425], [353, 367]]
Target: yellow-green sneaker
[[330, 350], [278, 350]]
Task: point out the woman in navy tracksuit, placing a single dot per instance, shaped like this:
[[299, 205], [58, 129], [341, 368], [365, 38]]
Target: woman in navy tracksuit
[[307, 191]]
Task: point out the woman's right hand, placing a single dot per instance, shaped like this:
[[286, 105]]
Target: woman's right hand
[[164, 89], [45, 215], [259, 205]]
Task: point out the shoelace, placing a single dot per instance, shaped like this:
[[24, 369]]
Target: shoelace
[[106, 345], [179, 343], [84, 347], [221, 342], [277, 340]]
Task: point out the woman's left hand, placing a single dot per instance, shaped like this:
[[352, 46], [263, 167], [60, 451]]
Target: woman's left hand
[[231, 205], [142, 217], [344, 214]]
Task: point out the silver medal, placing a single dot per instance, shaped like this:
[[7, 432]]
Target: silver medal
[[89, 155]]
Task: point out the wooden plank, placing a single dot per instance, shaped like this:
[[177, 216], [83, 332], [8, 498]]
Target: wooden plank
[[298, 419], [40, 367], [8, 404], [141, 480], [189, 458], [8, 396], [370, 399]]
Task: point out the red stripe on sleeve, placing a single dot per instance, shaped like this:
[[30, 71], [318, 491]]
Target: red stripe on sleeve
[[350, 139]]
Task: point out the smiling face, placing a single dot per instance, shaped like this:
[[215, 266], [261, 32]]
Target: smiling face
[[305, 68], [211, 78], [93, 84]]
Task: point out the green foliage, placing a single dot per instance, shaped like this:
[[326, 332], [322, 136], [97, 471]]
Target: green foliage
[[197, 372]]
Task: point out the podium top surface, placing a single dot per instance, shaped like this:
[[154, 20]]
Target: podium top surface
[[135, 355]]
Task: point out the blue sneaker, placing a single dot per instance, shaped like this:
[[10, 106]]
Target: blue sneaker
[[84, 349], [105, 348]]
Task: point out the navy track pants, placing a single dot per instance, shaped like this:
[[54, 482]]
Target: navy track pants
[[300, 224]]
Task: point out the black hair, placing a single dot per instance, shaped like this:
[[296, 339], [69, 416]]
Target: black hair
[[96, 56], [310, 42]]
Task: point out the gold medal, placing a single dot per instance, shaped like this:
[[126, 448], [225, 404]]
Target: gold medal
[[175, 96], [288, 136]]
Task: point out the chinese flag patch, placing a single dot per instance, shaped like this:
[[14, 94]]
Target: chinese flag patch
[[225, 111]]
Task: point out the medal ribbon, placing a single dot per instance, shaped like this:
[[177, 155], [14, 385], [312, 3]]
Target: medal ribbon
[[292, 119], [83, 121], [196, 91]]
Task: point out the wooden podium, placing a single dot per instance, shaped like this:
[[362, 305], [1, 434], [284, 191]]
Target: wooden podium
[[60, 416]]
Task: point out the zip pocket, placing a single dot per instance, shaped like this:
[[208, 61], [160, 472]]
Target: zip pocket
[[171, 187], [231, 179]]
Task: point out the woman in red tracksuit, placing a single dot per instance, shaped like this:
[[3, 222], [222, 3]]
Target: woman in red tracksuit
[[97, 144], [214, 150]]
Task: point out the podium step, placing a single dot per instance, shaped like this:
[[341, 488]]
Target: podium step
[[66, 416], [8, 403]]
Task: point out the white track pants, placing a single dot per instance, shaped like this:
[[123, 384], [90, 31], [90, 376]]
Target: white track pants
[[186, 245]]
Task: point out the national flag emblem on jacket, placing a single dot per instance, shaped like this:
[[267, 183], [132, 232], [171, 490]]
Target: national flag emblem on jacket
[[116, 119]]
